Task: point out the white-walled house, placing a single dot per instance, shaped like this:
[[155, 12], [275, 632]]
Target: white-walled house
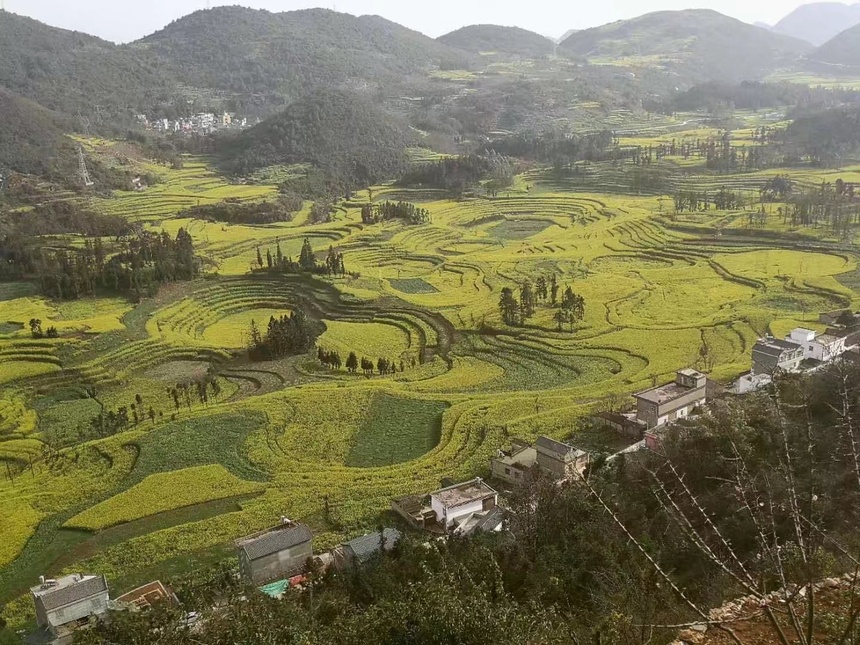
[[462, 500], [824, 348]]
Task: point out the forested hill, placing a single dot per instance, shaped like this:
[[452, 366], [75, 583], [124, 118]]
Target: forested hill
[[340, 132], [819, 22], [699, 45], [278, 56], [32, 139], [506, 40], [844, 50], [68, 71]]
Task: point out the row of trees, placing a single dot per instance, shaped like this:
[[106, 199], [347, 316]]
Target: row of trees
[[694, 201], [387, 210], [516, 312], [332, 359], [285, 336]]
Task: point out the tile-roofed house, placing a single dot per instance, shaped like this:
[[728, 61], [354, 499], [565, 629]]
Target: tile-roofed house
[[772, 354], [665, 403], [277, 552], [560, 459], [461, 500], [362, 549], [68, 600]]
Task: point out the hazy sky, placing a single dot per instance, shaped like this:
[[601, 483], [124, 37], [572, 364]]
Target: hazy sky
[[124, 20]]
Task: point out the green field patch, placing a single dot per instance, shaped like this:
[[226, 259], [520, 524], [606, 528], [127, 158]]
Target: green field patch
[[13, 290], [396, 430], [412, 285], [518, 229], [202, 441], [178, 371], [10, 328], [625, 263], [67, 420], [164, 492]]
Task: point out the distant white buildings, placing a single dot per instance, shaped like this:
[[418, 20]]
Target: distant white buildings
[[803, 349], [200, 123]]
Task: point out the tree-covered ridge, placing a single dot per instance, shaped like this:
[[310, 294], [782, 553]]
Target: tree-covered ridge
[[281, 55], [32, 139], [843, 50], [697, 44], [341, 133], [69, 71], [494, 38]]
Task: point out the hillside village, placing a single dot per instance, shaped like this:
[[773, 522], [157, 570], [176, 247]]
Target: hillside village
[[281, 558], [318, 330]]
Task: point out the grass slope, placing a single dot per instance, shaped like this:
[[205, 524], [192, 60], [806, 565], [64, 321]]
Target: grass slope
[[496, 39], [698, 44]]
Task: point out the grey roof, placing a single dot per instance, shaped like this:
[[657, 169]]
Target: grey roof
[[775, 346], [554, 446], [67, 594], [491, 520], [364, 547], [278, 539]]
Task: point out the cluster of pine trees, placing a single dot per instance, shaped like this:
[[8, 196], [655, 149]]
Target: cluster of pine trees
[[144, 261], [693, 201], [457, 175], [279, 263], [387, 210], [233, 211], [285, 336], [571, 308]]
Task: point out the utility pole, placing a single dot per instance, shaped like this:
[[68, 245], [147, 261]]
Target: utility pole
[[82, 169]]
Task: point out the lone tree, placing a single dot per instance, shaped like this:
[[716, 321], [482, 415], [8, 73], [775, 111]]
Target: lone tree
[[307, 260], [509, 307], [527, 301]]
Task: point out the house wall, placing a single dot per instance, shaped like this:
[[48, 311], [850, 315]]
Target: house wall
[[656, 415], [552, 465], [449, 515], [92, 606], [278, 565], [506, 472], [825, 352]]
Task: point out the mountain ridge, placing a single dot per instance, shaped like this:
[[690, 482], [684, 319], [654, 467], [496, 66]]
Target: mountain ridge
[[697, 44], [819, 22], [496, 38]]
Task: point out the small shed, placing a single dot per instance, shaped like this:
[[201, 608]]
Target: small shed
[[362, 549], [275, 553]]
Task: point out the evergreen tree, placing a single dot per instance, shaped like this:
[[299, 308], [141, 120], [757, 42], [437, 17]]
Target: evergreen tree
[[527, 301], [509, 307], [352, 363], [307, 260]]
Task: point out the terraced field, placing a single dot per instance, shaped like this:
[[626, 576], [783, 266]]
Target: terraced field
[[291, 437]]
